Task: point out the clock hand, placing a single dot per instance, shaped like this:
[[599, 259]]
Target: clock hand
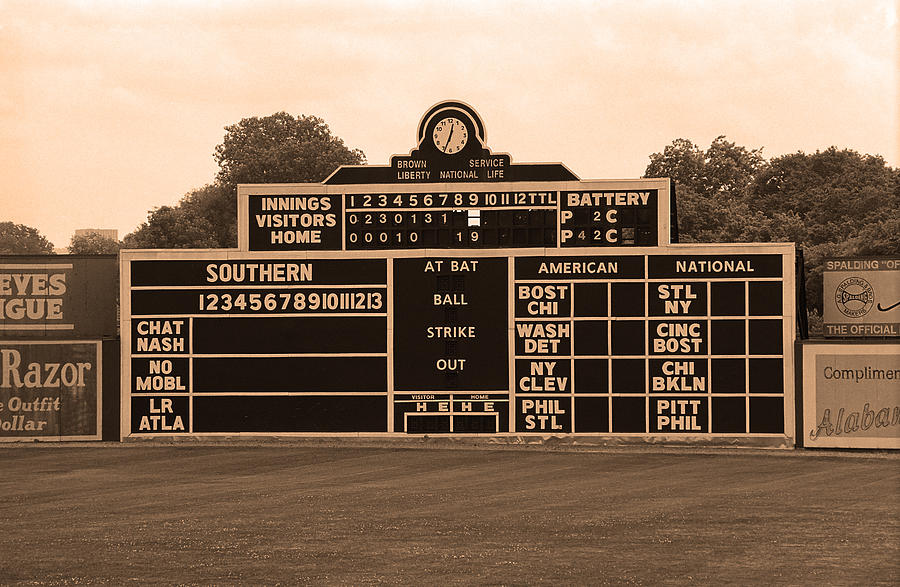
[[448, 138]]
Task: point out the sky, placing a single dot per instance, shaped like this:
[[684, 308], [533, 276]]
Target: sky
[[109, 109]]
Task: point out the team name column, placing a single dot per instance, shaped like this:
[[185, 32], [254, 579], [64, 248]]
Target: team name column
[[543, 361], [717, 363], [573, 314], [679, 364], [160, 372]]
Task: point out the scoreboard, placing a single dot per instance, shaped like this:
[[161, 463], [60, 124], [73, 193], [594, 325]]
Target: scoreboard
[[691, 341], [454, 292]]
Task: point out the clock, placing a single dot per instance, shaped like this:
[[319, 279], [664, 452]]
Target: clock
[[450, 135]]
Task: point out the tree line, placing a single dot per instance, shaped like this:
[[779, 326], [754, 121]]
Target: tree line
[[835, 202], [832, 203]]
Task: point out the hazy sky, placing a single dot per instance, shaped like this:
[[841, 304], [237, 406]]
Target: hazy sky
[[108, 109]]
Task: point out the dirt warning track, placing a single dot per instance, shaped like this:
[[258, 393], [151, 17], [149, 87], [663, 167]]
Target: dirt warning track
[[292, 513]]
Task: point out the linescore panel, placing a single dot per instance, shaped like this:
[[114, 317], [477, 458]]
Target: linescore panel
[[689, 341], [563, 214]]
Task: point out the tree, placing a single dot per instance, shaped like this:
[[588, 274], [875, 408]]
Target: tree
[[93, 244], [18, 239], [276, 148], [724, 170], [836, 193], [212, 213], [172, 228], [880, 238], [711, 186], [682, 161], [281, 148]]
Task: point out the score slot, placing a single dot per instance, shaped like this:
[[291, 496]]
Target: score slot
[[361, 221]]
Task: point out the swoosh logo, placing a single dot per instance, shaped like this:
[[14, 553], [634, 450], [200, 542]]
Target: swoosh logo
[[891, 307]]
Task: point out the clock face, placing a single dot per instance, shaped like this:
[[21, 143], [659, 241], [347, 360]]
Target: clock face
[[450, 135]]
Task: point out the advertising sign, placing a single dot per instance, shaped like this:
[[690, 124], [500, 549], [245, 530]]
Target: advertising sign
[[851, 395], [50, 390], [666, 342], [58, 296], [862, 297]]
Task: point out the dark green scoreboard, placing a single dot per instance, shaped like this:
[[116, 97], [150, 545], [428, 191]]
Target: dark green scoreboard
[[513, 300]]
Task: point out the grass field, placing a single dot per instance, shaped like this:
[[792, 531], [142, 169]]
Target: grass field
[[305, 513]]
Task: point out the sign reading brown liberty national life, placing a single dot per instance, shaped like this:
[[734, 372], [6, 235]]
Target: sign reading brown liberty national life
[[862, 297], [455, 292], [54, 309]]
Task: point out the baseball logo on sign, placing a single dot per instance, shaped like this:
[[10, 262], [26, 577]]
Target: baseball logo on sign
[[854, 297]]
